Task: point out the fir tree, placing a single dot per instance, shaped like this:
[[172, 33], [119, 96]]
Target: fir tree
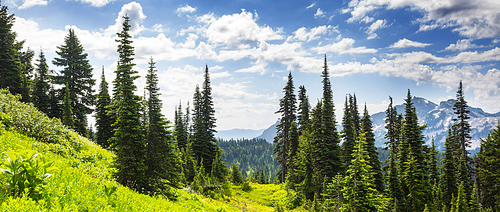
[[55, 110], [391, 124], [67, 118], [304, 164], [128, 140], [489, 170], [393, 183], [359, 188], [282, 140], [355, 114], [449, 180], [181, 134], [236, 177], [25, 58], [103, 121], [41, 98], [463, 138], [10, 65], [77, 75], [188, 163], [374, 162], [433, 169], [348, 133], [161, 161], [292, 177], [303, 111]]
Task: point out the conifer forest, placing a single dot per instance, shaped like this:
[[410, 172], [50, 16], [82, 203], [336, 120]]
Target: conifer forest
[[320, 166]]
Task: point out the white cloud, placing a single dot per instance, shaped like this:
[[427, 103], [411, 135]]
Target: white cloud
[[136, 16], [158, 28], [319, 13], [302, 34], [96, 3], [405, 43], [257, 68], [312, 5], [35, 37], [343, 47], [475, 19], [461, 45], [184, 10], [379, 24], [30, 3], [238, 31]]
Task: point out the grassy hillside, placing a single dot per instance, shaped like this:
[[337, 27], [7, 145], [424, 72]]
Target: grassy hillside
[[78, 173]]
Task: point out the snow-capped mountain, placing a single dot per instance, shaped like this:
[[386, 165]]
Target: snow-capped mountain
[[438, 118]]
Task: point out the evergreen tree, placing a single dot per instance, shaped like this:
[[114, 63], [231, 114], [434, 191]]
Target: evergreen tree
[[393, 183], [433, 169], [103, 121], [161, 161], [55, 110], [282, 140], [489, 170], [348, 133], [326, 149], [219, 170], [128, 140], [67, 118], [463, 137], [411, 147], [188, 163], [10, 65], [374, 162], [449, 180], [303, 111], [77, 75], [355, 114], [236, 177], [25, 58], [304, 164], [292, 177], [181, 134], [41, 98], [359, 188]]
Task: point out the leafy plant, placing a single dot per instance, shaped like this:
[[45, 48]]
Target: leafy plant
[[27, 172]]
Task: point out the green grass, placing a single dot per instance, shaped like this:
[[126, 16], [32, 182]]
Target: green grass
[[82, 180]]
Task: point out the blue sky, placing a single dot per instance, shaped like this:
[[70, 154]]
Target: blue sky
[[374, 48]]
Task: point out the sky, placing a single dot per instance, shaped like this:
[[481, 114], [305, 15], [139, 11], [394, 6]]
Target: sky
[[374, 48]]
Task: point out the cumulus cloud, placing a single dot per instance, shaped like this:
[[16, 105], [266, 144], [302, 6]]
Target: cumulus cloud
[[405, 43], [185, 10], [475, 19], [345, 46], [136, 16], [238, 30], [379, 24], [35, 37], [158, 28], [461, 45], [302, 34], [30, 3], [319, 13]]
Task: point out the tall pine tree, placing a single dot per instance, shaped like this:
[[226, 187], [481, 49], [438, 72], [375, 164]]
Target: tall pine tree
[[489, 170], [287, 110], [348, 133], [10, 65], [103, 121], [40, 96], [181, 134], [303, 110], [366, 127], [77, 76], [128, 140]]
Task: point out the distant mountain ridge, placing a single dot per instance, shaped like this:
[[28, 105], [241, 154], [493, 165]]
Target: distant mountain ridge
[[437, 117]]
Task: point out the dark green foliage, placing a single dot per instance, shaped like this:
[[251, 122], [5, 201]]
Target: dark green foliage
[[463, 138], [489, 170], [128, 140], [77, 76], [219, 170], [303, 110], [67, 118], [181, 133], [353, 105], [25, 58], [188, 163], [412, 159], [251, 156], [55, 110], [204, 143], [287, 110], [393, 182], [103, 120], [374, 162], [327, 161], [348, 134], [236, 177], [433, 162], [162, 162], [448, 179], [304, 164], [392, 126], [10, 65], [40, 96], [292, 175]]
